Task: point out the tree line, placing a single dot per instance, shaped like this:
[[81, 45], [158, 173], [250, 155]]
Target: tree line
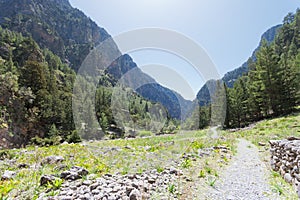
[[36, 98], [270, 88]]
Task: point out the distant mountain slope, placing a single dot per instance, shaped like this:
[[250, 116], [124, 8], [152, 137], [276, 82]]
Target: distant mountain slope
[[229, 78], [55, 25], [70, 34]]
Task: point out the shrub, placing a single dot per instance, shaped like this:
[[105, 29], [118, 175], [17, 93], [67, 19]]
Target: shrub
[[74, 137], [145, 133]]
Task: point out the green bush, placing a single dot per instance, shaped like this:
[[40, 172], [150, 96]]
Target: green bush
[[73, 137], [145, 133], [56, 140]]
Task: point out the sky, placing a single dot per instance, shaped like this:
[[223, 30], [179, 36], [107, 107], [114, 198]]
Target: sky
[[228, 31]]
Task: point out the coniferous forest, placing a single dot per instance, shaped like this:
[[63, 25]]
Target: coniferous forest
[[270, 87]]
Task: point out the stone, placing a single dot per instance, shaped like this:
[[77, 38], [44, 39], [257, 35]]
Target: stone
[[8, 175], [129, 148], [135, 195], [230, 197], [95, 192], [262, 144], [147, 148], [74, 173], [46, 179], [87, 182], [52, 160], [23, 165], [288, 178], [173, 170], [129, 189], [65, 198], [204, 152], [94, 186], [291, 138], [151, 181], [60, 167], [81, 171]]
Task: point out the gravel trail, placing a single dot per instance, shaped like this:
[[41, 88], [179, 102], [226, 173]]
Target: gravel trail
[[245, 178]]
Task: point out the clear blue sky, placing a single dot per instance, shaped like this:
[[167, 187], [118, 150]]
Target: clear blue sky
[[228, 30]]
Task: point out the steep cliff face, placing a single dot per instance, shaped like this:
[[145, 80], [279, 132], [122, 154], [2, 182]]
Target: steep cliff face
[[55, 25]]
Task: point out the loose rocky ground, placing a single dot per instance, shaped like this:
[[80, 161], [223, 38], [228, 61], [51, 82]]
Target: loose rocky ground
[[245, 178], [151, 184]]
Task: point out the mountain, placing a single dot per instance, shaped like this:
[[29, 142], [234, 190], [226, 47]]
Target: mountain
[[70, 34], [229, 78]]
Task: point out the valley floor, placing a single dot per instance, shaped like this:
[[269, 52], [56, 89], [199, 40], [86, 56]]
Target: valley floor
[[187, 165]]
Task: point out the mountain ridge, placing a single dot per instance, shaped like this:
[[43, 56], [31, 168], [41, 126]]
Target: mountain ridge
[[57, 26], [203, 96]]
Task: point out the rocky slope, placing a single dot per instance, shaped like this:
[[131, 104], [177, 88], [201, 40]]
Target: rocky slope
[[71, 35]]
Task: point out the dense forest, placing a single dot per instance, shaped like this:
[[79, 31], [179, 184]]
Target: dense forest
[[36, 97], [42, 46], [270, 88], [36, 90]]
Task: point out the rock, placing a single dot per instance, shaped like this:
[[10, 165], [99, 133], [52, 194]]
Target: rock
[[135, 195], [52, 160], [65, 143], [173, 170], [74, 173], [151, 181], [65, 198], [147, 148], [230, 197], [131, 176], [129, 190], [95, 192], [60, 167], [23, 165], [129, 148], [288, 178], [204, 152], [293, 138], [274, 142], [262, 144], [87, 182], [8, 175], [94, 186], [220, 147], [91, 176], [116, 186], [45, 179]]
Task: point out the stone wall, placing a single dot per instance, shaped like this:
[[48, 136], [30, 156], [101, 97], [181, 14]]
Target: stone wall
[[285, 158]]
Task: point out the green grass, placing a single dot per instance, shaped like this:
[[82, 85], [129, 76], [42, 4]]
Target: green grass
[[109, 156], [274, 129], [186, 163], [145, 133]]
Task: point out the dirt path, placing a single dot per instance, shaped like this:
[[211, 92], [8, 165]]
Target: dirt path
[[245, 178]]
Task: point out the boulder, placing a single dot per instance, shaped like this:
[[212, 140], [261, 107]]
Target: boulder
[[74, 173], [8, 175], [52, 160], [45, 179]]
